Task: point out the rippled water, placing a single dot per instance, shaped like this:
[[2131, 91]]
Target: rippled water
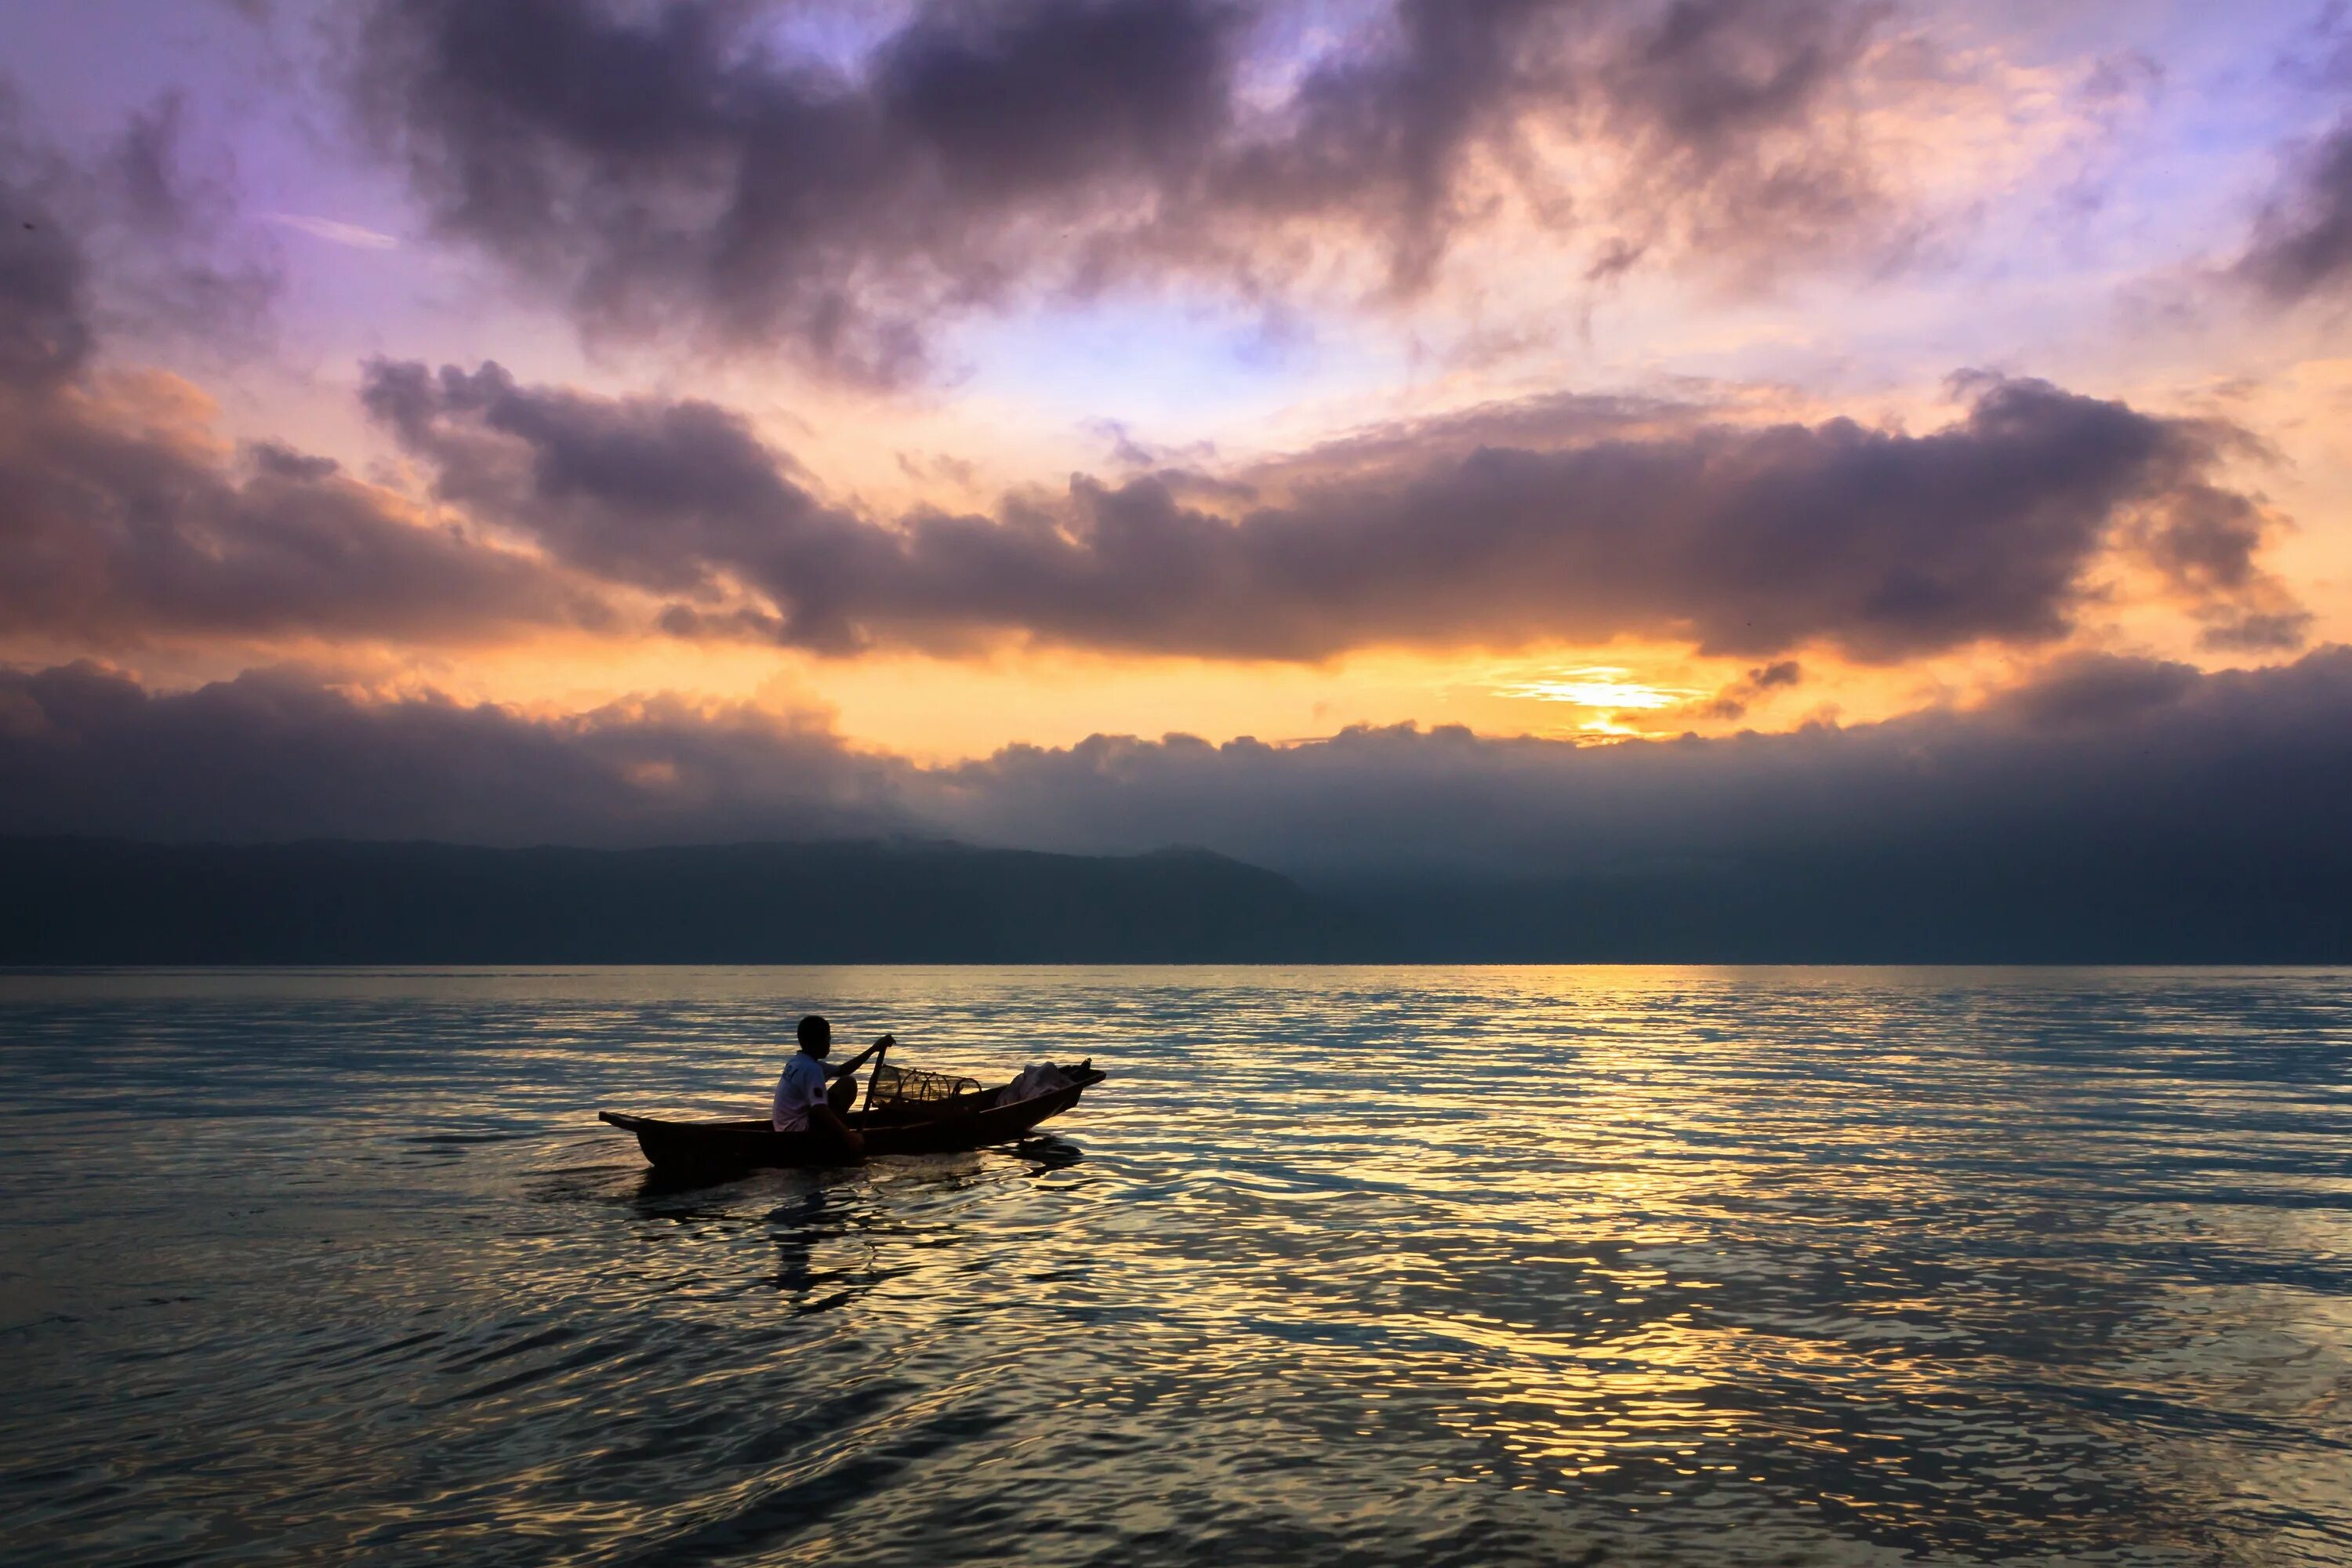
[[1415, 1266]]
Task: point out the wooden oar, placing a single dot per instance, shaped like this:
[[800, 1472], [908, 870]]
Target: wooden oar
[[874, 1073]]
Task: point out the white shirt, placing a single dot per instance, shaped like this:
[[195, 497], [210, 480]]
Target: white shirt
[[801, 1087]]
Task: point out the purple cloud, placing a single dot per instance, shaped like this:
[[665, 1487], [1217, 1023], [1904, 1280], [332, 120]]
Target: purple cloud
[[113, 528], [679, 169], [1741, 540], [2303, 242]]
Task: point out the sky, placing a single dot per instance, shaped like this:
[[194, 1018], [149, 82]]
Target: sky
[[1343, 433]]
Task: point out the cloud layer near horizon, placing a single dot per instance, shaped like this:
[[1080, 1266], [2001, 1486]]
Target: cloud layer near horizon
[[2244, 768]]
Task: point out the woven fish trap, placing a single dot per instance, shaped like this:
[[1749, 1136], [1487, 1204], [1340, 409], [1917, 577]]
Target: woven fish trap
[[912, 1086]]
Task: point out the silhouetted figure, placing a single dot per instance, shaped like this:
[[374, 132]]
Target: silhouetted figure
[[804, 1103]]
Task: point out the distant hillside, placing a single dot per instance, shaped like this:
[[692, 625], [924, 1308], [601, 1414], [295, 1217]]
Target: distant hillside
[[105, 901], [2065, 905]]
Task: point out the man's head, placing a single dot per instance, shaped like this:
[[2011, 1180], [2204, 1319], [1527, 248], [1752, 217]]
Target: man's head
[[816, 1036]]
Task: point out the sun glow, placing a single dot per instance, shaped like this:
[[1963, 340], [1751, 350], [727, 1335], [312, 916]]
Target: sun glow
[[1599, 686]]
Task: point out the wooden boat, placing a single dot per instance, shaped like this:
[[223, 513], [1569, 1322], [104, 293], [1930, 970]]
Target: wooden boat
[[975, 1119]]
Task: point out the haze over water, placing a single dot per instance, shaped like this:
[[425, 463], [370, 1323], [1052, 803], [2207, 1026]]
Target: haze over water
[[1405, 1266]]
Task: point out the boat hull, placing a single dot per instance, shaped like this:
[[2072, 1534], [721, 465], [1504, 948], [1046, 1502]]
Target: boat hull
[[720, 1147]]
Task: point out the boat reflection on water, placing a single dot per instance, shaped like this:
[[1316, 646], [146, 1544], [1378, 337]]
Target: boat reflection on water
[[830, 1231], [1048, 1152], [659, 1185]]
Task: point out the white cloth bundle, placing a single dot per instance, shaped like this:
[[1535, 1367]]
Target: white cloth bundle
[[1036, 1079]]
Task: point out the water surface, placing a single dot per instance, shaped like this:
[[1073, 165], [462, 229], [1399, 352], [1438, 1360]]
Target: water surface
[[1411, 1266]]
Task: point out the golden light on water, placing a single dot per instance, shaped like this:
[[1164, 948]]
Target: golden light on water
[[1511, 1255]]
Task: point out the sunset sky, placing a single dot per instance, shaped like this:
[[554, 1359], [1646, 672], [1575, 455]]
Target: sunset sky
[[510, 419]]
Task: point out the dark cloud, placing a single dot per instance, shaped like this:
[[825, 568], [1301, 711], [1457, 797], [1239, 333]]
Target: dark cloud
[[1386, 136], [2303, 242], [45, 333], [112, 531], [276, 756], [1743, 540], [2098, 690], [1734, 700], [1715, 100], [672, 168], [1562, 517], [679, 167], [663, 495], [119, 521], [136, 234], [2204, 541], [1708, 74], [2206, 538], [2113, 807], [2246, 630], [169, 232], [2139, 758], [2301, 246]]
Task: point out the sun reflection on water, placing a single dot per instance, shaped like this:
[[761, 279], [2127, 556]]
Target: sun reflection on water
[[1369, 1265]]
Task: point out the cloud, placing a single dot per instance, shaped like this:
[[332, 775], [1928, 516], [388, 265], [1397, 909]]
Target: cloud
[[45, 333], [120, 517], [671, 168], [1557, 519], [661, 495], [115, 527], [2098, 690], [1734, 700], [132, 236], [2204, 543], [2303, 242], [1721, 102], [1562, 518], [2106, 795], [1740, 539], [681, 168], [2238, 772], [170, 254], [274, 755]]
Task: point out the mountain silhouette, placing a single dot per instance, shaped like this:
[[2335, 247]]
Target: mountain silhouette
[[85, 901]]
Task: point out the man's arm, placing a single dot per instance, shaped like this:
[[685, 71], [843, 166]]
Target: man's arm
[[834, 1069]]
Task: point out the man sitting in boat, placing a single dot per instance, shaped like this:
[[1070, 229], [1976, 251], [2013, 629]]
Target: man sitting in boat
[[804, 1104]]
